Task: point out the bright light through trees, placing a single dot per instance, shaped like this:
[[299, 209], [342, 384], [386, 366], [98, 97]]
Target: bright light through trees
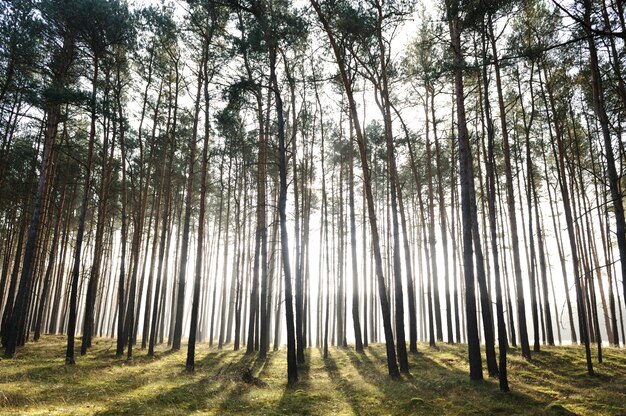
[[253, 174]]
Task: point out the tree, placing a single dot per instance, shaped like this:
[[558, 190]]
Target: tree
[[597, 90], [392, 365], [455, 25], [61, 25], [100, 26]]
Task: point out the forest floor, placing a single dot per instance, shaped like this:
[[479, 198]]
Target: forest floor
[[554, 383]]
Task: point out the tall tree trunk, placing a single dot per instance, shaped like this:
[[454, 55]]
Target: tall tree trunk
[[292, 369], [442, 221], [569, 218], [392, 365], [296, 203], [467, 183], [260, 242], [184, 250], [101, 218], [407, 248], [508, 173], [222, 335], [168, 166], [597, 91], [358, 338], [431, 226], [51, 262], [193, 326], [71, 328], [491, 187], [62, 61], [155, 239]]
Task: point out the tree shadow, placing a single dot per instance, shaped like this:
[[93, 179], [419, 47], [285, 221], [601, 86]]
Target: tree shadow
[[206, 383], [432, 387], [188, 397], [297, 398], [350, 394], [350, 382]]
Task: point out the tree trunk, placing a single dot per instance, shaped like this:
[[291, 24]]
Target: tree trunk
[[203, 76], [69, 356], [292, 369], [51, 262], [392, 365], [491, 187], [62, 62], [508, 172], [597, 91], [467, 183]]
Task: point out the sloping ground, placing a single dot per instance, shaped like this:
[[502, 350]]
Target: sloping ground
[[554, 383]]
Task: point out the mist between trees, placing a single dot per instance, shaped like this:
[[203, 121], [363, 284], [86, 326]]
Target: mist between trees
[[250, 174]]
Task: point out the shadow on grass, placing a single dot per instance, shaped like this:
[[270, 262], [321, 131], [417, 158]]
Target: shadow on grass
[[194, 395], [297, 398], [349, 393], [185, 398], [347, 382], [432, 388]]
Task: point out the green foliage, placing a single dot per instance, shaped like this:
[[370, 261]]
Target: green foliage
[[21, 161], [533, 29], [20, 44], [100, 23], [425, 57], [230, 124], [276, 23]]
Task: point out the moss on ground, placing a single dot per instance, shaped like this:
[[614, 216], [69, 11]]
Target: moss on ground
[[36, 382]]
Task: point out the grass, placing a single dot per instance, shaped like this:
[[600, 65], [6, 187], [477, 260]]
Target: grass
[[36, 382]]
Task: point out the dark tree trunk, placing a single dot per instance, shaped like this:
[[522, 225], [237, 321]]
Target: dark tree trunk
[[358, 338], [184, 250], [71, 327], [467, 184], [168, 166], [392, 365], [51, 262], [193, 327], [569, 218], [292, 369], [491, 187], [599, 108], [62, 62], [517, 269]]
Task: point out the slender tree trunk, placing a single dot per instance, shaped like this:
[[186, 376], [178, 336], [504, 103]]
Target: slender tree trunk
[[168, 166], [392, 365], [431, 226], [193, 327], [184, 250], [155, 239], [599, 108], [407, 249], [62, 62], [358, 338], [569, 218], [467, 183], [292, 369], [491, 187], [222, 334], [298, 246], [51, 263], [508, 172], [69, 356]]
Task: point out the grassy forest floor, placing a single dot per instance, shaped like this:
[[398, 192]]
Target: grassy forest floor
[[555, 383]]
